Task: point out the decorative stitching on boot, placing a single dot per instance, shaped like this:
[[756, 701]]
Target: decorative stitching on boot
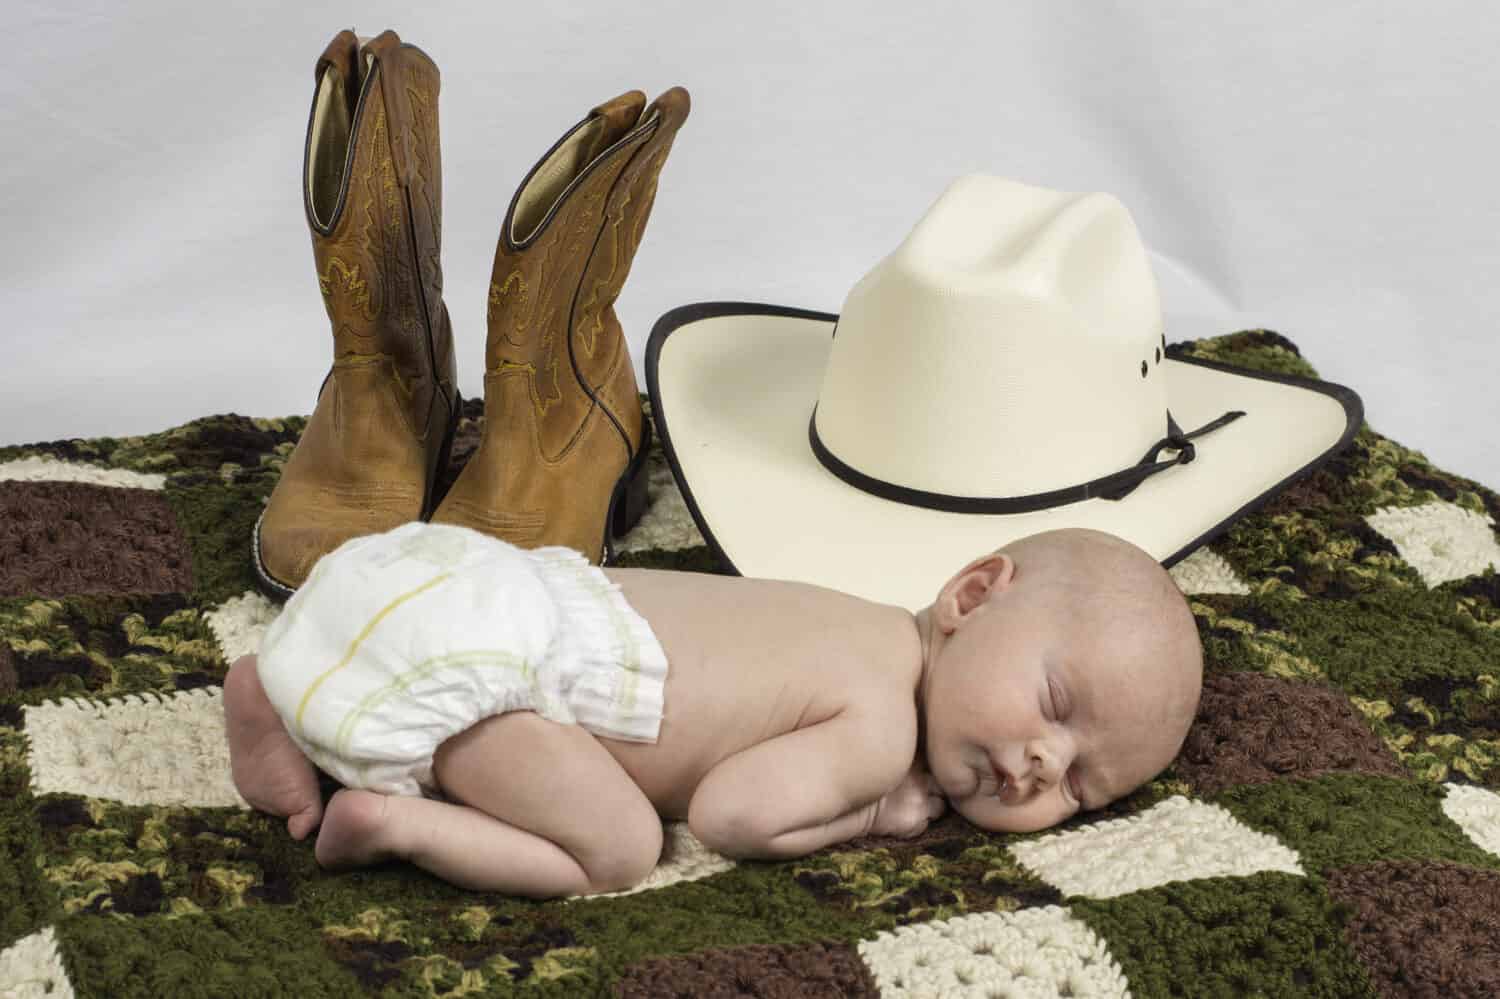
[[403, 387], [498, 293], [514, 524], [540, 404], [590, 339], [356, 291], [525, 320]]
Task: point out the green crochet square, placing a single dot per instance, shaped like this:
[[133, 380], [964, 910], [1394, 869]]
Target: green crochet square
[[408, 931], [28, 902], [253, 952], [1389, 638], [1269, 934], [1344, 819], [102, 646], [218, 520], [142, 861]]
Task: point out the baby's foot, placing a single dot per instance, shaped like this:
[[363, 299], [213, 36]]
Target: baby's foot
[[353, 832], [269, 770]]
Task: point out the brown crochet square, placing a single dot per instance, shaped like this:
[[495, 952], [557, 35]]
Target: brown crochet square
[[64, 538], [1424, 929], [759, 971], [1251, 729]]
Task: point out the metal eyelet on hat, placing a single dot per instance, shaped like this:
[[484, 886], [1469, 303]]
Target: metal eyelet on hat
[[1143, 369]]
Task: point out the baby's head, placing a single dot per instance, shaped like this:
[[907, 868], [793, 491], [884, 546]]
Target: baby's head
[[1059, 673]]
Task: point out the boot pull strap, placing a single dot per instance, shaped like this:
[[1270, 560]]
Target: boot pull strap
[[666, 115], [339, 54], [668, 112], [342, 56], [673, 105], [391, 58], [621, 113]]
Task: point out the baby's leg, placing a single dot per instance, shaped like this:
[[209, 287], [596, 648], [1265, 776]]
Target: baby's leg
[[269, 770], [546, 811]]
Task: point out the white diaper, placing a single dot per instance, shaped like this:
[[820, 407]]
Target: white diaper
[[398, 641]]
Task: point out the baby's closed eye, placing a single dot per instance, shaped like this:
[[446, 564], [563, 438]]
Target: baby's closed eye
[[1057, 700]]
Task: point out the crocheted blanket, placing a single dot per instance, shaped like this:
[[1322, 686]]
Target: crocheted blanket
[[1331, 827]]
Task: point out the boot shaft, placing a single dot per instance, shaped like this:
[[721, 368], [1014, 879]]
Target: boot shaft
[[564, 252], [380, 435], [372, 185]]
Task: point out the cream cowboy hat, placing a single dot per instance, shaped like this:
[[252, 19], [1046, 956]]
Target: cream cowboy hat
[[1003, 372]]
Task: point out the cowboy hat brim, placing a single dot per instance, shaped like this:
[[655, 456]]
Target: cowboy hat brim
[[733, 386]]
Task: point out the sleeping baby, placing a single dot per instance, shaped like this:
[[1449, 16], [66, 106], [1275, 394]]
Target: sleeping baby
[[520, 720]]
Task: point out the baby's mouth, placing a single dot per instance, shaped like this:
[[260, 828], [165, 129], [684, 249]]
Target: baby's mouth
[[1003, 783]]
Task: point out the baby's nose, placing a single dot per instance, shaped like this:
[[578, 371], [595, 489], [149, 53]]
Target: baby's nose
[[1046, 764]]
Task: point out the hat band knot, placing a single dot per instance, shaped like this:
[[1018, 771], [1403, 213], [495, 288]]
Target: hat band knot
[[1111, 487]]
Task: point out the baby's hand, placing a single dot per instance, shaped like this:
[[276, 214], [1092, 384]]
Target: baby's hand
[[906, 810]]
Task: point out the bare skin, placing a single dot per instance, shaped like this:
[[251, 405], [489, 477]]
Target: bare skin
[[797, 717]]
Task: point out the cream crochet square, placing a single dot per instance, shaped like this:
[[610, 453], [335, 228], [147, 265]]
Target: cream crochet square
[[31, 968], [1038, 952], [138, 750], [1206, 571], [239, 622], [1440, 540], [1477, 812], [1176, 840]]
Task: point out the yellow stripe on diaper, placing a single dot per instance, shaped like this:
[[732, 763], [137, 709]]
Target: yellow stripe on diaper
[[477, 657], [627, 644], [359, 640]]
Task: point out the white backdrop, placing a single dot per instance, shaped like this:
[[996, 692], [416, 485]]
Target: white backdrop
[[1328, 170]]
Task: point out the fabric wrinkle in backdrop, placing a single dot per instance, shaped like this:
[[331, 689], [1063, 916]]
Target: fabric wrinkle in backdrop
[[1326, 171]]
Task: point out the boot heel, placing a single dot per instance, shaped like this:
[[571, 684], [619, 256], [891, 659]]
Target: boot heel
[[631, 502], [445, 452]]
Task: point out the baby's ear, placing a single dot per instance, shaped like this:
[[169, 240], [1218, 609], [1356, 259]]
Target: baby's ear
[[967, 591]]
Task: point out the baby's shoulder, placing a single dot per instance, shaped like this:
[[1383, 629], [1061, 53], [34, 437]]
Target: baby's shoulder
[[879, 693], [889, 707]]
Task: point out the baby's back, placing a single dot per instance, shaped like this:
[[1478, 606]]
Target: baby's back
[[751, 659]]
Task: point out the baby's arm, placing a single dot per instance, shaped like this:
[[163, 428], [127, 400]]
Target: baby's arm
[[806, 789]]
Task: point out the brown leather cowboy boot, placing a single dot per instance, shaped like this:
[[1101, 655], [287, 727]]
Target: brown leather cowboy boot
[[562, 457], [382, 429]]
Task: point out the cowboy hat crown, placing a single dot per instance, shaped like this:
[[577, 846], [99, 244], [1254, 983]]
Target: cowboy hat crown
[[1009, 346]]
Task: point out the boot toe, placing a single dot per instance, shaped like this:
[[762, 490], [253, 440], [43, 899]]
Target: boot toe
[[523, 528], [287, 557]]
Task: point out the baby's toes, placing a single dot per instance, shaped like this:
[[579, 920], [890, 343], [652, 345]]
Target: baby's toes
[[299, 824]]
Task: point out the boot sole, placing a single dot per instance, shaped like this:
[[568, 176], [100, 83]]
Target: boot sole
[[281, 592], [628, 502], [264, 581]]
